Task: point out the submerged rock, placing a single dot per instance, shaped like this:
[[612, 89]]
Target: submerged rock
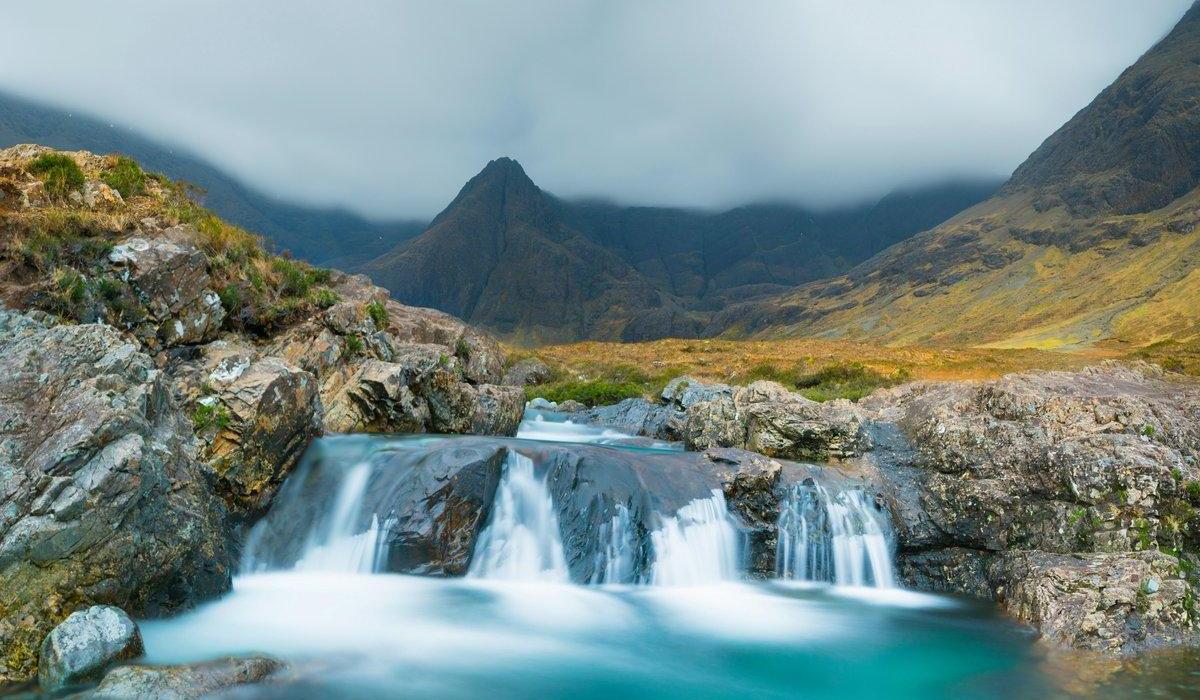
[[82, 647], [101, 499], [186, 681]]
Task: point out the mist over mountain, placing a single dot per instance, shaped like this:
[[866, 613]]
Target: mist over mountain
[[334, 237]]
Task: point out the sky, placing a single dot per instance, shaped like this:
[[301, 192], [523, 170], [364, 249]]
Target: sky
[[388, 107]]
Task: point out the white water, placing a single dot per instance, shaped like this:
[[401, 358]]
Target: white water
[[835, 538], [522, 541], [698, 545], [617, 563], [550, 426]]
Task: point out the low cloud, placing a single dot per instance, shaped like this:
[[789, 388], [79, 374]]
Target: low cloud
[[389, 107]]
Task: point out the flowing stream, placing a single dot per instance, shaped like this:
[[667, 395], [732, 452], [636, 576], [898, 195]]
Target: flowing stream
[[598, 596]]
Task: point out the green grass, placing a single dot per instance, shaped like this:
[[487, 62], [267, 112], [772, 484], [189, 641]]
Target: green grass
[[846, 380], [125, 176], [214, 416], [324, 297], [378, 313], [59, 173], [594, 392]]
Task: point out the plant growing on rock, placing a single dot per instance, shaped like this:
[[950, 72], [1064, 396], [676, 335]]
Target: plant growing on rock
[[378, 314], [125, 176], [59, 173]]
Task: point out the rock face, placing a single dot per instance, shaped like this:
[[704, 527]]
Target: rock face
[[184, 682], [82, 647], [528, 371], [1056, 493], [101, 499]]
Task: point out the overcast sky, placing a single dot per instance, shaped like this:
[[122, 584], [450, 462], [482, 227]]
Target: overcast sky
[[388, 107]]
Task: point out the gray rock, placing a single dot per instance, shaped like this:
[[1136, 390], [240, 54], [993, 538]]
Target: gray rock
[[682, 392], [527, 372], [101, 498], [570, 406], [636, 416], [184, 682], [82, 647]]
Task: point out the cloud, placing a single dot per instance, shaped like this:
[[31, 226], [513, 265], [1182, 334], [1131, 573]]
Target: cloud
[[389, 107]]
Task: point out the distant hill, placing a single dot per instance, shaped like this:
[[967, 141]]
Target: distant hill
[[1094, 239], [508, 256], [330, 237]]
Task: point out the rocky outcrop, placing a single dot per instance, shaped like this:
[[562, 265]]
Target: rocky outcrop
[[1058, 493], [82, 647], [527, 372], [184, 682], [101, 498]]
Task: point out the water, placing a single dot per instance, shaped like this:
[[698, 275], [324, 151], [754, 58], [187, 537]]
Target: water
[[552, 426], [698, 545], [832, 537], [522, 541], [311, 591]]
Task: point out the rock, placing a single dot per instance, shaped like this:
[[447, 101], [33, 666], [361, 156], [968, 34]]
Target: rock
[[526, 372], [682, 392], [570, 406], [380, 396], [101, 499], [1103, 602], [97, 195], [636, 416], [481, 357], [256, 415], [498, 410], [185, 682], [82, 647], [170, 275]]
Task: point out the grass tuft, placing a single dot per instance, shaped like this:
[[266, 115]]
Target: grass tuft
[[60, 173], [125, 176]]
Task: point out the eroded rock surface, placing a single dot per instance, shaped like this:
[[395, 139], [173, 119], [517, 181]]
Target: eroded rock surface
[[101, 498]]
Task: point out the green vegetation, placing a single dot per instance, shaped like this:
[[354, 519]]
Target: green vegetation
[[378, 313], [462, 348], [324, 297], [60, 173], [210, 416], [594, 392], [354, 346], [847, 380], [125, 176]]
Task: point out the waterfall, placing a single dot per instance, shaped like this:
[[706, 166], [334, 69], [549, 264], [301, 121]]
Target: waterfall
[[336, 543], [838, 539], [522, 541], [617, 562], [697, 545]]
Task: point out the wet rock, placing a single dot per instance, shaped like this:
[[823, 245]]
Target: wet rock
[[101, 499], [82, 647], [636, 416], [570, 406], [184, 682], [526, 372]]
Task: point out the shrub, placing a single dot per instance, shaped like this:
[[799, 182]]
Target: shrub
[[354, 346], [846, 380], [594, 392], [324, 297], [378, 313], [210, 416], [125, 176], [60, 173]]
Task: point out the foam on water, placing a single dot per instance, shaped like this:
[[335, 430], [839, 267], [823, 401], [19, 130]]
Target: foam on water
[[698, 545]]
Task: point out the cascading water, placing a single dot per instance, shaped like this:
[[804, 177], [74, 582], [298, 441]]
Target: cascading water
[[699, 544], [336, 543], [617, 562], [522, 542], [833, 538]]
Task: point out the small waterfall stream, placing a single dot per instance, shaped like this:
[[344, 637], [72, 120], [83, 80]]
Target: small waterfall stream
[[836, 538], [698, 545], [522, 542]]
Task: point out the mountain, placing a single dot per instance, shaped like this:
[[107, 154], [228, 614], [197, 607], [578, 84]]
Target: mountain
[[331, 237], [508, 256], [1092, 241]]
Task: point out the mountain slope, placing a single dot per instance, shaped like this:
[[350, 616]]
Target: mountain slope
[[501, 254], [331, 237], [508, 256], [1093, 240]]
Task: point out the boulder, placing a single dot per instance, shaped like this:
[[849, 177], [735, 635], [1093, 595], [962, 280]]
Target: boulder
[[187, 681], [527, 372], [636, 416], [101, 498], [498, 410], [170, 275], [255, 415], [85, 645], [481, 357], [97, 195], [682, 392]]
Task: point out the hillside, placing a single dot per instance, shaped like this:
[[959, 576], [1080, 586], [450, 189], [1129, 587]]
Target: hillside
[[321, 236], [508, 256], [1092, 241]]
